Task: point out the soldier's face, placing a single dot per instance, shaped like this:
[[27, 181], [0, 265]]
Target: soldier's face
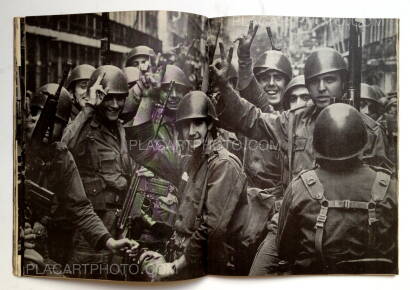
[[325, 89], [111, 107], [80, 92], [298, 96], [175, 96], [142, 62], [194, 132], [273, 83], [30, 121]]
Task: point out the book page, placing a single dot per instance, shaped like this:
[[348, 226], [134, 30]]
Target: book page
[[114, 221], [163, 146]]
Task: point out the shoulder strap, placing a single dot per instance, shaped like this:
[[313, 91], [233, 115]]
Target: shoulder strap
[[204, 192], [380, 186], [316, 191], [313, 184]]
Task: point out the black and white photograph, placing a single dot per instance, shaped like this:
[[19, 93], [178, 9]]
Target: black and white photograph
[[156, 146]]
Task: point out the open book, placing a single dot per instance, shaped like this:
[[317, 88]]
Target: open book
[[160, 146]]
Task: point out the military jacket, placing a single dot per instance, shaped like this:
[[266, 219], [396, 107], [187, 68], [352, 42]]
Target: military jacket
[[240, 116], [62, 177], [348, 223]]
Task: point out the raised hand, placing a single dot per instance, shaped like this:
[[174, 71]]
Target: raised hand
[[220, 68], [96, 92], [147, 86], [245, 41]]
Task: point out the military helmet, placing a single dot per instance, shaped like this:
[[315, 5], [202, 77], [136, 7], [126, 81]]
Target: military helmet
[[114, 81], [273, 59], [195, 105], [80, 72], [64, 101], [323, 60], [133, 74], [368, 92], [174, 73], [298, 81], [139, 50], [339, 133]]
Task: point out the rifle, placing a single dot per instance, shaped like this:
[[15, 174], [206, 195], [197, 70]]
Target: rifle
[[211, 55], [105, 40], [133, 202], [43, 132], [38, 198], [270, 35], [355, 64]]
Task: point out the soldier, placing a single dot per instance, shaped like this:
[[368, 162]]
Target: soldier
[[325, 74], [96, 139], [370, 102], [392, 129], [141, 57], [55, 169], [329, 224], [264, 84], [161, 195], [77, 86], [296, 94], [164, 109], [212, 186]]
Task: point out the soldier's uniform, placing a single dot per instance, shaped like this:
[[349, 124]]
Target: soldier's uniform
[[211, 187], [342, 216], [262, 160], [105, 166], [162, 195], [297, 123], [348, 226], [71, 205], [54, 168]]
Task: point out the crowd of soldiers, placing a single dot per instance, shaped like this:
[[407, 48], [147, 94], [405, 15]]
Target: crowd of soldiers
[[264, 173]]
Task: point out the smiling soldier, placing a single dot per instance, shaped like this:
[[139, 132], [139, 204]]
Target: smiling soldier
[[211, 184], [96, 139]]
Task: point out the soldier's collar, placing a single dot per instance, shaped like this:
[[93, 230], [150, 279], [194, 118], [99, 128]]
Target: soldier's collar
[[213, 147]]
